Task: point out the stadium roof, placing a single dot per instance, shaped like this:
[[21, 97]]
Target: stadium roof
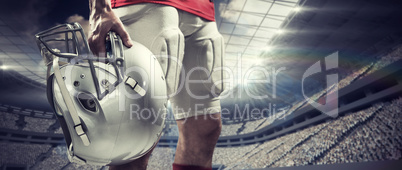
[[249, 26]]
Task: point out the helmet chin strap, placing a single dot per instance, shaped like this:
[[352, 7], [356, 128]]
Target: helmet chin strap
[[134, 85], [69, 103], [117, 45]]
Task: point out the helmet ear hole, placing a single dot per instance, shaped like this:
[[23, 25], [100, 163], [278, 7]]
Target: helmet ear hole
[[88, 102]]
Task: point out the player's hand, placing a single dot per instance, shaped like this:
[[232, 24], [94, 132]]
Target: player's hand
[[100, 24]]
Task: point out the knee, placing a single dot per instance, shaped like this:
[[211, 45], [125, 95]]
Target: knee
[[211, 130], [202, 128], [215, 129]]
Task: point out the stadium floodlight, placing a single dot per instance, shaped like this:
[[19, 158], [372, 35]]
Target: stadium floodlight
[[297, 9], [279, 31], [267, 48]]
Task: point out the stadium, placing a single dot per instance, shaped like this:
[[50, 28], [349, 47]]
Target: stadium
[[313, 84]]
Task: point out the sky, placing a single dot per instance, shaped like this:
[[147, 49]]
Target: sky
[[37, 15]]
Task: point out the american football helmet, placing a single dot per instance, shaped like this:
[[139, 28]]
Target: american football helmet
[[112, 110]]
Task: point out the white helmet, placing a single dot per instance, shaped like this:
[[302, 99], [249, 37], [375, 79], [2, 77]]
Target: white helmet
[[110, 110]]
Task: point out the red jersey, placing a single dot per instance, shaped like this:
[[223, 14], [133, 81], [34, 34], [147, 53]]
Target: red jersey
[[201, 8]]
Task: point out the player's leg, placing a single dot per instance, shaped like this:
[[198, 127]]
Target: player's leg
[[198, 137], [156, 27], [197, 104]]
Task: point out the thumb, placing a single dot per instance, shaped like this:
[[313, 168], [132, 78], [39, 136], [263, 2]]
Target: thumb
[[124, 36]]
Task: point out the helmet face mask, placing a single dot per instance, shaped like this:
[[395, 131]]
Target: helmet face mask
[[94, 98], [68, 42]]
